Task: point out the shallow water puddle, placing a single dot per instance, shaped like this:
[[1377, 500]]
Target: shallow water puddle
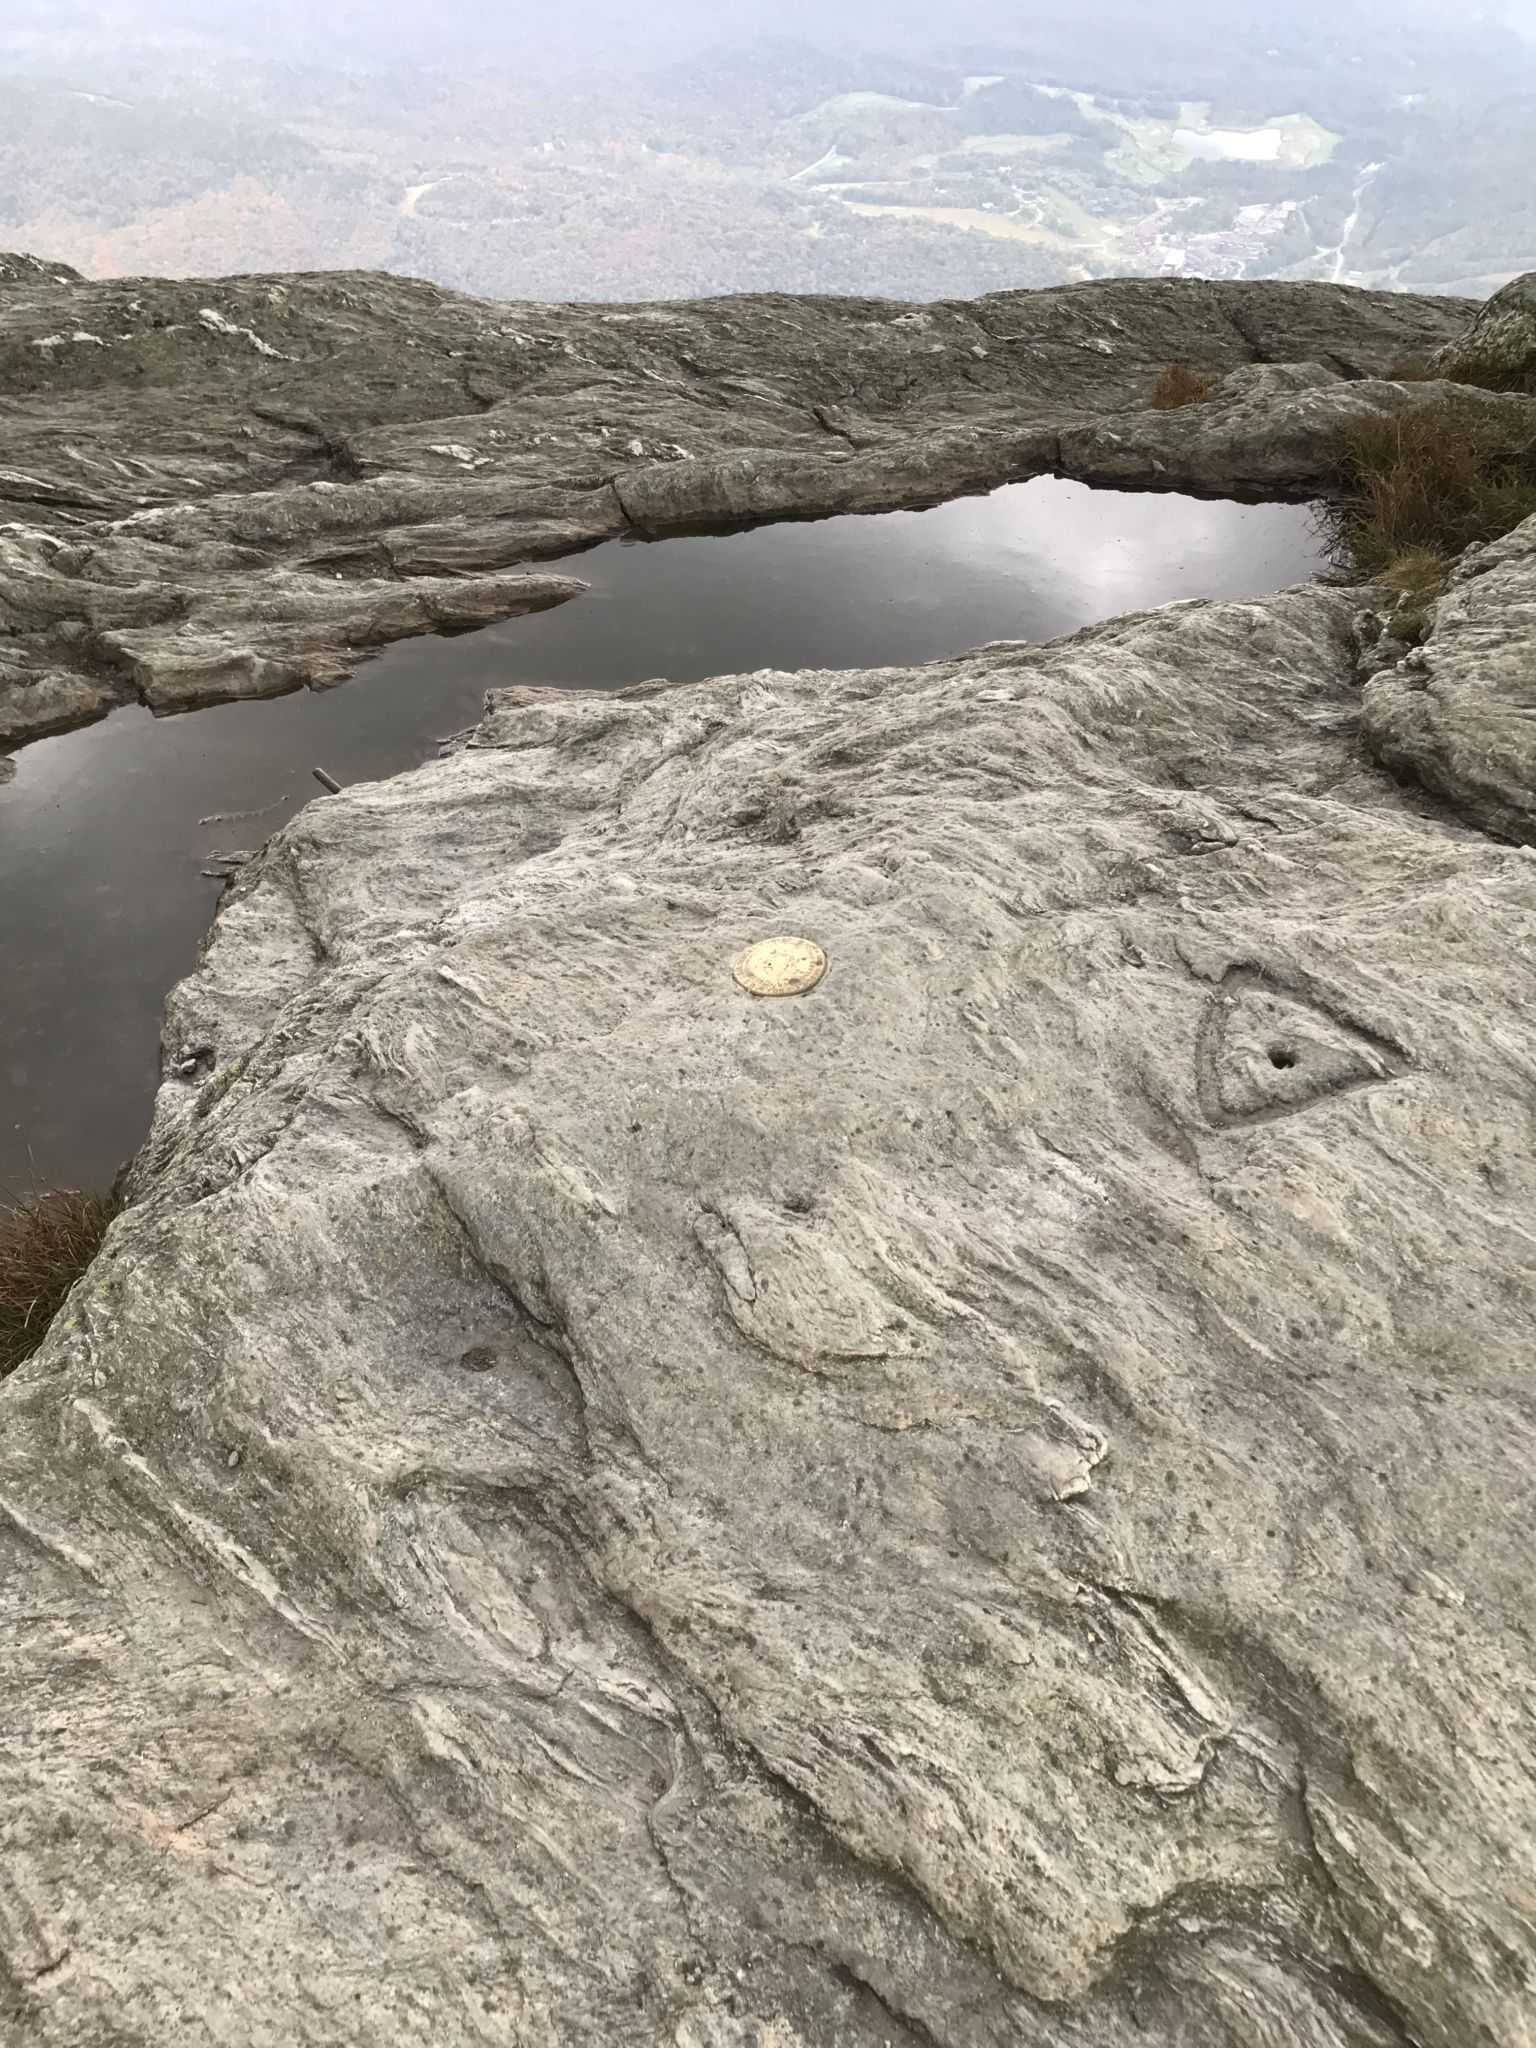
[[102, 898]]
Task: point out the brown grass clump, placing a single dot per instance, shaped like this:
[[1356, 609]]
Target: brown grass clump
[[1465, 367], [1180, 384], [1491, 371], [46, 1243], [1420, 487], [1413, 582], [1418, 573]]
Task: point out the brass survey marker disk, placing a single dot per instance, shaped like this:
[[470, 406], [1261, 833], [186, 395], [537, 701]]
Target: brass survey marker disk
[[780, 967]]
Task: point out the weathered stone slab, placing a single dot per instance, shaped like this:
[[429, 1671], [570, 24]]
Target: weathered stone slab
[[205, 448], [1459, 713], [987, 1502]]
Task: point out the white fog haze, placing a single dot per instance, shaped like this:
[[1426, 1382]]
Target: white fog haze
[[599, 151]]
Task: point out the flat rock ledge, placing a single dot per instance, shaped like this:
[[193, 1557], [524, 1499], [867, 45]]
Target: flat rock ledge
[[985, 1503], [235, 487]]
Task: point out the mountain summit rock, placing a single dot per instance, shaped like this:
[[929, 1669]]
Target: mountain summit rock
[[235, 487], [984, 1503], [1501, 342]]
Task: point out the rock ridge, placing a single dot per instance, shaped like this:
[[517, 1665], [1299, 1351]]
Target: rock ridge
[[981, 1503], [984, 1502], [239, 486]]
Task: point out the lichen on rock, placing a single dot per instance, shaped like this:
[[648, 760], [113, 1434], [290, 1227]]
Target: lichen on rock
[[1499, 348]]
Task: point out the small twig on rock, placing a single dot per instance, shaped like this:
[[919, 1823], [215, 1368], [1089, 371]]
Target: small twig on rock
[[235, 817]]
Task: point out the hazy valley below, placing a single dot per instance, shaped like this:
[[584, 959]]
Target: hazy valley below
[[745, 150]]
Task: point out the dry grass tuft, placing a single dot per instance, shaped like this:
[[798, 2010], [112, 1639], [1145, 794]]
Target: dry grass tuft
[[1491, 372], [1417, 573], [1422, 486], [1180, 384], [1413, 581], [46, 1243], [1467, 364]]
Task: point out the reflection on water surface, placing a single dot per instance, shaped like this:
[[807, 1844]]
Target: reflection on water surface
[[102, 903]]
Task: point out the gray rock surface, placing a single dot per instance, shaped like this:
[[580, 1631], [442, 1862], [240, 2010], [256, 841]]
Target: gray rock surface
[[987, 1504], [1500, 345], [233, 487], [1459, 713]]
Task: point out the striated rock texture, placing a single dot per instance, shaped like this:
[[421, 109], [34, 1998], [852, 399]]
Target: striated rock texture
[[1459, 713], [984, 1504], [233, 488]]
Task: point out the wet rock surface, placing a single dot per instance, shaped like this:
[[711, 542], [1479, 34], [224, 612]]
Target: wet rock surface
[[984, 1502], [215, 489]]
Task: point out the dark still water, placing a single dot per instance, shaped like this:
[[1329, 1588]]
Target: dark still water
[[102, 902]]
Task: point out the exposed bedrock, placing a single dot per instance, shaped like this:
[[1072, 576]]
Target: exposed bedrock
[[190, 466], [1500, 346], [986, 1503], [1459, 713]]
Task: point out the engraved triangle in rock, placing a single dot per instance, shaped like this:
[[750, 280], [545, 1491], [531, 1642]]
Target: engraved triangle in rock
[[1266, 1052]]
